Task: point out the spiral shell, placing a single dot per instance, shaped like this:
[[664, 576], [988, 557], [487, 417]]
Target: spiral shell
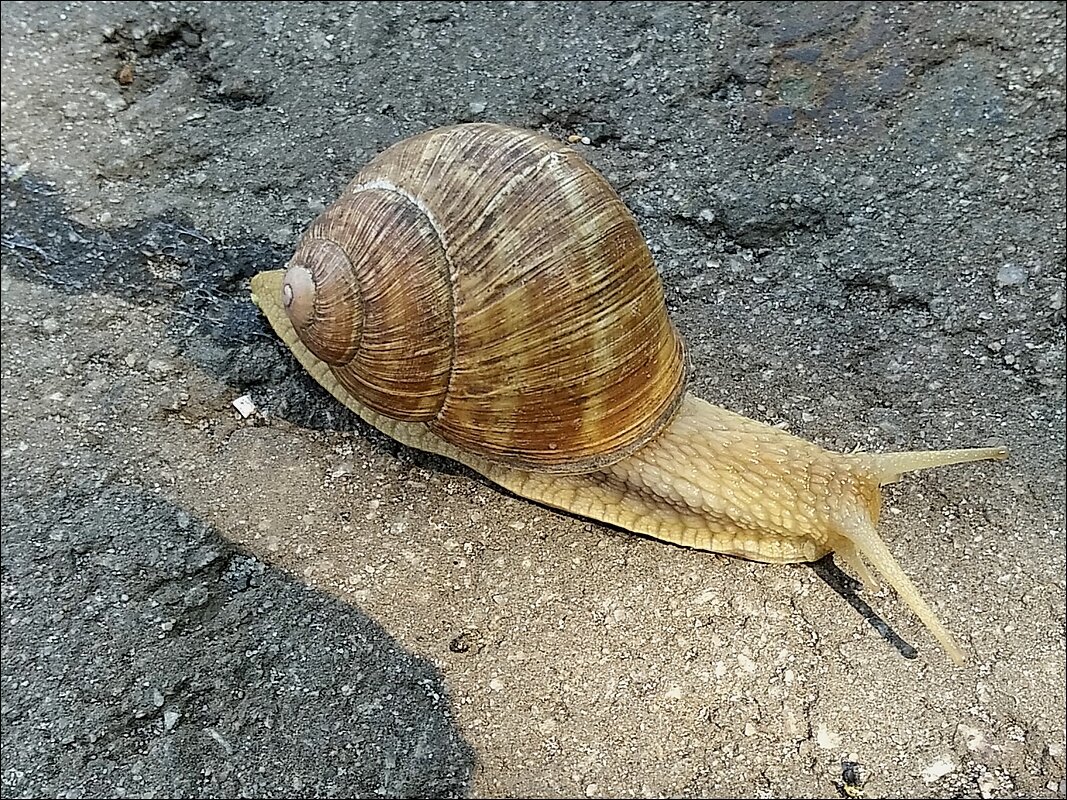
[[489, 283]]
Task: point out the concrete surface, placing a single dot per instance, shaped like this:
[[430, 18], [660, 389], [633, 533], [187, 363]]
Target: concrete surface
[[858, 213]]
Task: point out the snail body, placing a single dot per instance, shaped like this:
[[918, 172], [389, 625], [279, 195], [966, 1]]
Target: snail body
[[480, 292]]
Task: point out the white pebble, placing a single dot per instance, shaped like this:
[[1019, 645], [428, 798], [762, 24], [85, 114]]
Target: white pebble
[[245, 406], [826, 738], [1011, 274], [938, 769]]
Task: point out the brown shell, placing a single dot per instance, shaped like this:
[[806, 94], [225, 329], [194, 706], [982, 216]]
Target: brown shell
[[497, 290]]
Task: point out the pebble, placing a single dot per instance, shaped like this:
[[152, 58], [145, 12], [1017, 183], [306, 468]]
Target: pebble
[[1011, 274], [938, 769], [195, 597], [973, 738], [826, 738], [343, 468], [281, 235], [49, 325], [214, 734], [171, 400], [244, 404], [170, 719], [496, 685], [987, 784], [706, 596]]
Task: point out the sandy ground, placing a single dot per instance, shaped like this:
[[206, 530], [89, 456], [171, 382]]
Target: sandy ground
[[858, 214]]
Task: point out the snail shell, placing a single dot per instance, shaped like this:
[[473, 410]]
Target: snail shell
[[482, 293], [489, 283]]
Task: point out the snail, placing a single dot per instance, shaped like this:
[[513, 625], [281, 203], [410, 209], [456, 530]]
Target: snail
[[481, 292]]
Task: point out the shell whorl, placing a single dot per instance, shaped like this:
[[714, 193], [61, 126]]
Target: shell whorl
[[488, 282]]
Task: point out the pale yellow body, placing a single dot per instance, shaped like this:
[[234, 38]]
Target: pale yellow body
[[713, 480]]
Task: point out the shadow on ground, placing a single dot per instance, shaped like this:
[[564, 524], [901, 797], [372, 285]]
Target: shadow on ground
[[145, 654]]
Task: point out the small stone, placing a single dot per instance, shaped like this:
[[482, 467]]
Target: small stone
[[973, 738], [1011, 274], [987, 784], [938, 769], [158, 366], [171, 400], [746, 663], [496, 685], [750, 729], [157, 698], [281, 235], [591, 790], [792, 725], [195, 597], [49, 326], [706, 596], [131, 360], [477, 107], [826, 738], [245, 405], [343, 468], [214, 734], [170, 719]]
